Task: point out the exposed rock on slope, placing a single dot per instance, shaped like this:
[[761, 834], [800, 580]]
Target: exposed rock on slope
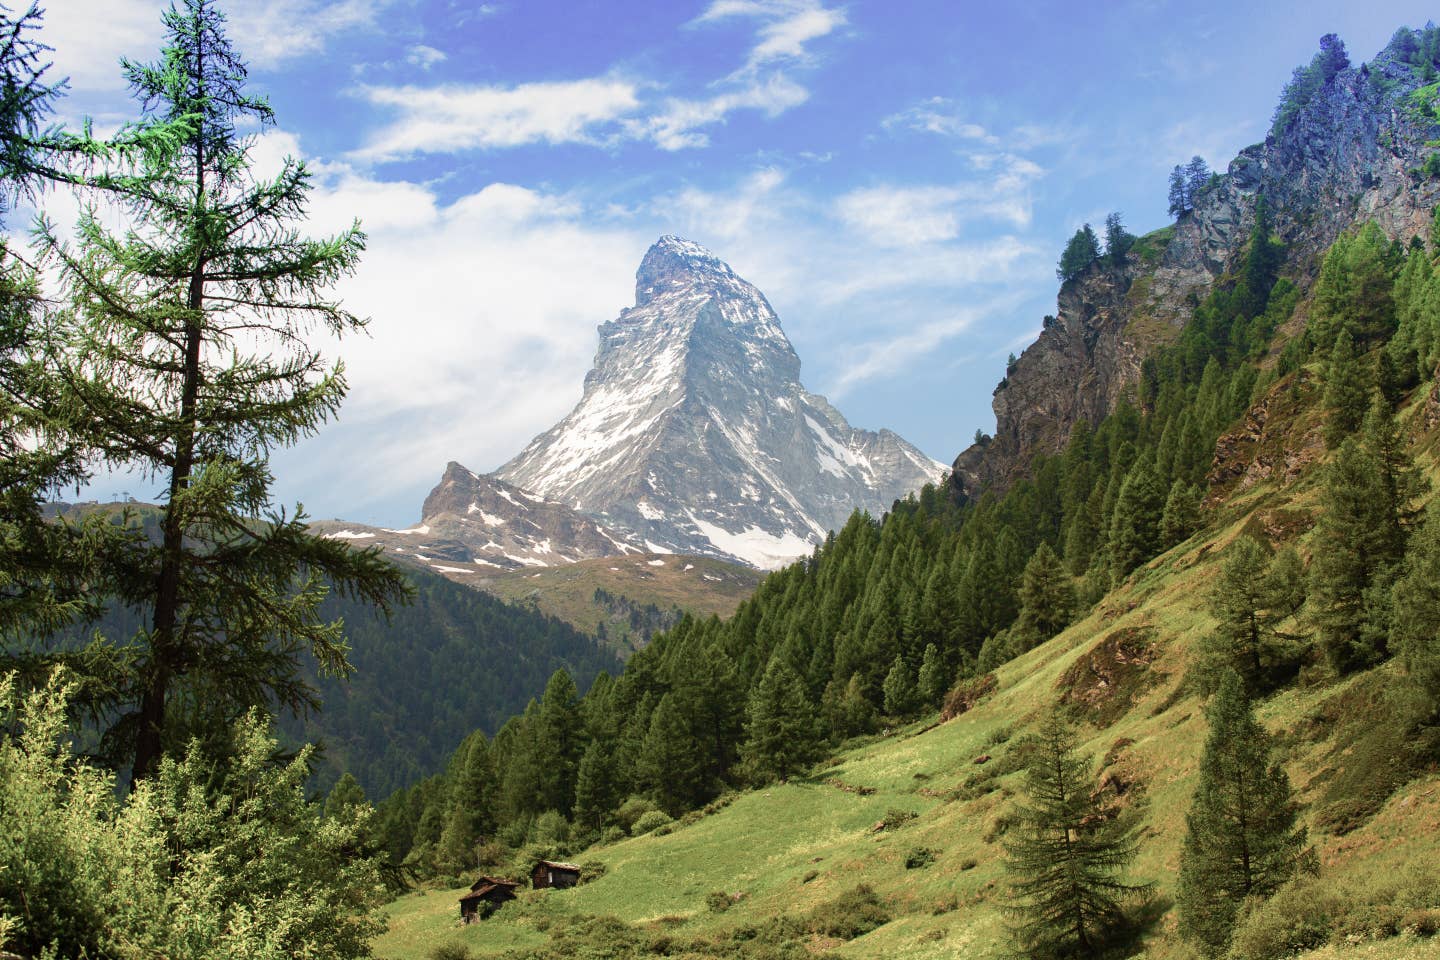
[[1353, 153], [473, 526], [694, 434]]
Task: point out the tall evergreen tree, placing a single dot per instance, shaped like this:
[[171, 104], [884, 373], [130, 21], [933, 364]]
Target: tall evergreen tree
[[672, 763], [1135, 525], [1181, 517], [1067, 853], [1197, 177], [1179, 197], [595, 787], [1242, 840], [559, 742], [1082, 250], [1118, 240], [934, 678], [1047, 597], [1352, 550], [900, 689], [1347, 391], [1252, 596], [184, 355], [781, 735], [1415, 628]]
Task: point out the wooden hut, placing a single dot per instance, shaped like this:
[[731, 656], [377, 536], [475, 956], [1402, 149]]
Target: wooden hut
[[485, 897], [549, 873]]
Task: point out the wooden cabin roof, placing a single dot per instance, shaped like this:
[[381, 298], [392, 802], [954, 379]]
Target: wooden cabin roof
[[494, 882], [556, 865]]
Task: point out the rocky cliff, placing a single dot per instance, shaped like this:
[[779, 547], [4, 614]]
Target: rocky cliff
[[1356, 151]]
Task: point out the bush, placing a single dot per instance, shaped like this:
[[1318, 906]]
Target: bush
[[450, 951], [895, 818], [1297, 918], [919, 858], [718, 901], [613, 834], [632, 810], [649, 821], [852, 914]]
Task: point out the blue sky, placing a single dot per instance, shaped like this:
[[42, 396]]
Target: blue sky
[[897, 177]]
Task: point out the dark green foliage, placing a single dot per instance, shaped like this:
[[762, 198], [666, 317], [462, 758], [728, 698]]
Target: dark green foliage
[[1181, 517], [1047, 597], [470, 661], [934, 679], [1254, 594], [852, 914], [1354, 549], [1347, 392], [1135, 526], [673, 762], [1118, 240], [345, 797], [1415, 627], [1067, 853], [1354, 293], [1080, 252], [1241, 840], [782, 738], [901, 690]]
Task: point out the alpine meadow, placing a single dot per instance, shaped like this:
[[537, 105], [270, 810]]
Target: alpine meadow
[[697, 666]]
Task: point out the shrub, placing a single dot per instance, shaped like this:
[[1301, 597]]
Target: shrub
[[853, 914], [450, 951], [650, 821], [632, 810], [895, 818], [919, 858], [1297, 918], [613, 834], [718, 901]]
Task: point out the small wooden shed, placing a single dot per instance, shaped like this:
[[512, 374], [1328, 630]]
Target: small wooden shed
[[485, 897], [550, 873]]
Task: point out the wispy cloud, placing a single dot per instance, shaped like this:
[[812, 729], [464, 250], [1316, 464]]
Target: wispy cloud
[[786, 27], [940, 116], [679, 123], [423, 56], [453, 118]]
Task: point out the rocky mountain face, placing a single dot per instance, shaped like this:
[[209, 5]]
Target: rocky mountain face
[[1353, 153], [694, 434], [473, 526]]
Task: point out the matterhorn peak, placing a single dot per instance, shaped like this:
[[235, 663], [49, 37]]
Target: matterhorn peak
[[673, 263], [694, 434]]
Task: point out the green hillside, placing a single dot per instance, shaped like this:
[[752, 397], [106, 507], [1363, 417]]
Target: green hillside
[[786, 849], [623, 601]]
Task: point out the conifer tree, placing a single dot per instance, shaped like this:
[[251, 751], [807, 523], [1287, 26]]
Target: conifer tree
[[1415, 628], [1354, 291], [1352, 550], [1118, 240], [781, 735], [1242, 840], [1197, 176], [344, 798], [1347, 392], [1252, 596], [1082, 250], [595, 788], [934, 678], [1135, 526], [1067, 854], [1047, 597], [1181, 517], [900, 689], [672, 762], [558, 742], [1179, 198], [184, 355]]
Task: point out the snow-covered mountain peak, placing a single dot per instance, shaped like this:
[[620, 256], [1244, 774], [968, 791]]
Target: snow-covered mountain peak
[[672, 263], [695, 435]]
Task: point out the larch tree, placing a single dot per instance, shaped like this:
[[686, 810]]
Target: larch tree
[[1252, 596], [1242, 840], [1047, 597], [1067, 854], [184, 355], [1347, 391]]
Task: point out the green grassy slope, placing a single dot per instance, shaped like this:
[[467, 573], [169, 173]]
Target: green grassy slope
[[790, 847]]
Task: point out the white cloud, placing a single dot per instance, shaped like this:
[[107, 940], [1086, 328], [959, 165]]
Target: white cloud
[[940, 116], [678, 125], [902, 216], [424, 57], [786, 26], [452, 118], [90, 36]]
